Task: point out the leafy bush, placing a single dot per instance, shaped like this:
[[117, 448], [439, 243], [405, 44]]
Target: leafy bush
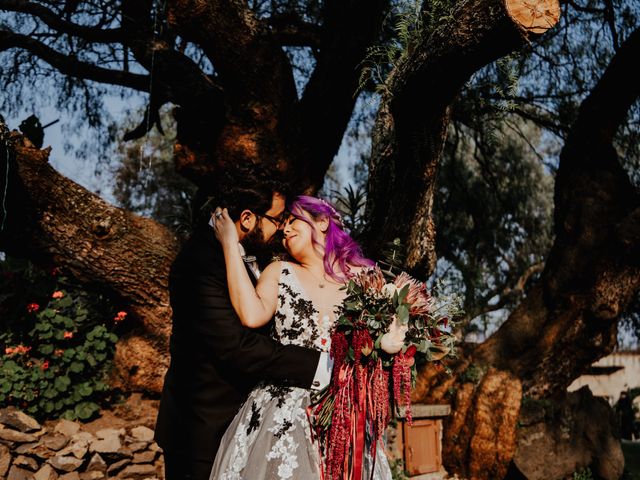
[[56, 345]]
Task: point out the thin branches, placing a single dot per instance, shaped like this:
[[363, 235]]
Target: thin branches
[[57, 23], [69, 65]]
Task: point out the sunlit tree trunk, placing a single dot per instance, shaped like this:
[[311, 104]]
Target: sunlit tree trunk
[[568, 320]]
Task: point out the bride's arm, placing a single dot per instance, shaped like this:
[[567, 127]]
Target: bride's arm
[[255, 306]]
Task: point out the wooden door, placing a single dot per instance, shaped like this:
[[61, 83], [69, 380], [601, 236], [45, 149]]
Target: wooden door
[[422, 446]]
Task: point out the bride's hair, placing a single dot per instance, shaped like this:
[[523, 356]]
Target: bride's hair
[[340, 250]]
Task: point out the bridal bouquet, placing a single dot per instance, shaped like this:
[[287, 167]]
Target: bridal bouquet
[[374, 366]]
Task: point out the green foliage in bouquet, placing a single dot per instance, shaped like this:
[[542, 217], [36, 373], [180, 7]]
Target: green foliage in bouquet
[[374, 305], [56, 345]]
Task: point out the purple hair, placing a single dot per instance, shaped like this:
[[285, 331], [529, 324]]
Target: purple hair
[[339, 247]]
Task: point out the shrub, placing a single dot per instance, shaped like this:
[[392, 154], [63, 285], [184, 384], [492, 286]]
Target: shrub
[[56, 347]]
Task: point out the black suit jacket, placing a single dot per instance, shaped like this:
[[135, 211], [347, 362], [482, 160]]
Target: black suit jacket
[[215, 361]]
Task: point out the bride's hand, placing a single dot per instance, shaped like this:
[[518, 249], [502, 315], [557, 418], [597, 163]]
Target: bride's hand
[[224, 228], [393, 341]]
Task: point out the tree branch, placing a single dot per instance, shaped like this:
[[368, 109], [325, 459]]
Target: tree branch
[[348, 29], [608, 103], [591, 273], [580, 8], [611, 22], [412, 123], [71, 66], [56, 22], [50, 218], [293, 31], [229, 34], [542, 121]]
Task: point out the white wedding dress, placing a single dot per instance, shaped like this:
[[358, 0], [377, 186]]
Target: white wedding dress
[[270, 437]]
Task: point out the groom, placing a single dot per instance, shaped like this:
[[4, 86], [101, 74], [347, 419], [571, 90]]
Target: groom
[[215, 361]]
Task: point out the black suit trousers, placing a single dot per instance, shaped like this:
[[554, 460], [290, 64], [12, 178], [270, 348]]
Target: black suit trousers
[[178, 467]]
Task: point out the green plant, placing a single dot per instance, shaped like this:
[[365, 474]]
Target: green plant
[[55, 357], [351, 204], [406, 21], [410, 23], [397, 469], [473, 374], [393, 256], [583, 474]]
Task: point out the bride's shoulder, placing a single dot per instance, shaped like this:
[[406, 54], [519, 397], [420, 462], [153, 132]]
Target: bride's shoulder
[[274, 267], [278, 267], [271, 273]]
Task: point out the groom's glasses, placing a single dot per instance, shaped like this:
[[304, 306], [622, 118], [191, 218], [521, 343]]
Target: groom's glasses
[[278, 222]]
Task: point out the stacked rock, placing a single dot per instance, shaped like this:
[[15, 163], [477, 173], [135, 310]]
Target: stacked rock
[[63, 451]]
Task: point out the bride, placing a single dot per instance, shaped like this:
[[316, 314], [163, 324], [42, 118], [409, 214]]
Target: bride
[[270, 437]]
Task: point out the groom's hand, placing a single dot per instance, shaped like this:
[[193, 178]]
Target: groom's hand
[[224, 227]]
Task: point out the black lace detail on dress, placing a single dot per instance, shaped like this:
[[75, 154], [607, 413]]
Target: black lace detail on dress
[[254, 423], [286, 425], [279, 393]]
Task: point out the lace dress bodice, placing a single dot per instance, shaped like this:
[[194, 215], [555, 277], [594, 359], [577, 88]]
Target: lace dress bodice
[[297, 321]]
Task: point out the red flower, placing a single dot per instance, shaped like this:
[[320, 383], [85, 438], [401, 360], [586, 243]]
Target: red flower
[[45, 365], [68, 335], [120, 316], [33, 307], [411, 351], [20, 349], [57, 294]]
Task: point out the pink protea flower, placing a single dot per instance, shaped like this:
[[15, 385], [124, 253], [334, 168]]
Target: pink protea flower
[[120, 316], [370, 279], [57, 294], [418, 297]]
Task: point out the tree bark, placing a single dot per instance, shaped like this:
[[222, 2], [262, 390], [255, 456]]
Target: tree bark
[[569, 320], [54, 220], [412, 123]]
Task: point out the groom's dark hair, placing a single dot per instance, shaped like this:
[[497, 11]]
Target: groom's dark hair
[[241, 187]]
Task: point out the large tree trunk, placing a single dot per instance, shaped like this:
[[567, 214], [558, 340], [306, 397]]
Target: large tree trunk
[[412, 122], [568, 320], [263, 120], [54, 220], [248, 111]]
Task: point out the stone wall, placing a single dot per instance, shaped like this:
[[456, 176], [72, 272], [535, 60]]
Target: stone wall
[[64, 450]]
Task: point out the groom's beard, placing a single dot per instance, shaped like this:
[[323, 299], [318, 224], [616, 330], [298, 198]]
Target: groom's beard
[[255, 244]]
